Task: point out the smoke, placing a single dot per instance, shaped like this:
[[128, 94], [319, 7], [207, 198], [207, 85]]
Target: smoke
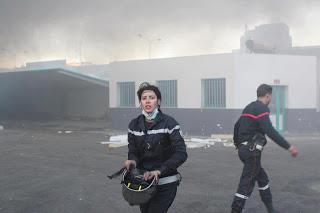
[[103, 30]]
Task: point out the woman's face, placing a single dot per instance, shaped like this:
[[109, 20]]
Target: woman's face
[[149, 101]]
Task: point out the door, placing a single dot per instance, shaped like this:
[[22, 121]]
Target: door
[[278, 107]]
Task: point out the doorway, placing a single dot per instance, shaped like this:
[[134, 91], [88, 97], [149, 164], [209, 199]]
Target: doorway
[[278, 107]]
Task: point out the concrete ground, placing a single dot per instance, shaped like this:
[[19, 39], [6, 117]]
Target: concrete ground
[[50, 170]]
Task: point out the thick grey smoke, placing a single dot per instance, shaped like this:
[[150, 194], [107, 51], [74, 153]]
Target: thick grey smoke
[[105, 30]]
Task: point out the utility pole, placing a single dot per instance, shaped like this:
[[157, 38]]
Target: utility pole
[[150, 41]]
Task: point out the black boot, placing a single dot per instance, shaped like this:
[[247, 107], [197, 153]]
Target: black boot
[[266, 198], [235, 211], [270, 208]]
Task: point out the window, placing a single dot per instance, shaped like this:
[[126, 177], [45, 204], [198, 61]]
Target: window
[[168, 89], [213, 93], [126, 94]]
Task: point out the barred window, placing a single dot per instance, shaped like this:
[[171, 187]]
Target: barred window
[[213, 93], [168, 89], [126, 94]]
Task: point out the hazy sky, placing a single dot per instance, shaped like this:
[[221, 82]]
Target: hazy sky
[[101, 31]]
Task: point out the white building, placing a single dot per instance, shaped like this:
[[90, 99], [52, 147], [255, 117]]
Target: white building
[[207, 93]]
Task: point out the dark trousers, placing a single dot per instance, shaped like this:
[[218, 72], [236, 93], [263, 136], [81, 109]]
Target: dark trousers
[[162, 200], [252, 172]]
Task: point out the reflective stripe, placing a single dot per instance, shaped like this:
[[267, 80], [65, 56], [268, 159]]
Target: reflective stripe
[[258, 147], [264, 188], [156, 131], [169, 179], [241, 196], [254, 116], [135, 132], [245, 143], [176, 127]]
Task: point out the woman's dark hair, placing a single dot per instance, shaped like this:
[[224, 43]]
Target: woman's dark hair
[[146, 86], [264, 89]]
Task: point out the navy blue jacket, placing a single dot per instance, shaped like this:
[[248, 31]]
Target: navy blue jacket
[[254, 119], [159, 146]]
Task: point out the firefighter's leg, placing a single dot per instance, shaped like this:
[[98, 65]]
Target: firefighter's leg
[[264, 190], [247, 180]]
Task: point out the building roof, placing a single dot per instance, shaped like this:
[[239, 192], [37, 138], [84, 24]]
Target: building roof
[[60, 78]]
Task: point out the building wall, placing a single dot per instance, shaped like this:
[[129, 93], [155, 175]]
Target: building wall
[[310, 51], [298, 73], [51, 94], [243, 73], [91, 103], [46, 101], [318, 87], [52, 103], [303, 120], [32, 103], [188, 71]]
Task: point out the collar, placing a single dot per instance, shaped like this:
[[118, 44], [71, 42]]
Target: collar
[[152, 115], [141, 120]]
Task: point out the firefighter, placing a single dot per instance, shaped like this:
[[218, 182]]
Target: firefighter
[[249, 139], [156, 146]]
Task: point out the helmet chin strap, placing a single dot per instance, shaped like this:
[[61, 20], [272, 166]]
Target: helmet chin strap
[[152, 115]]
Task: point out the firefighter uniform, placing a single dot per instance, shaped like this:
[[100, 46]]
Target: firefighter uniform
[[249, 138], [158, 146]]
